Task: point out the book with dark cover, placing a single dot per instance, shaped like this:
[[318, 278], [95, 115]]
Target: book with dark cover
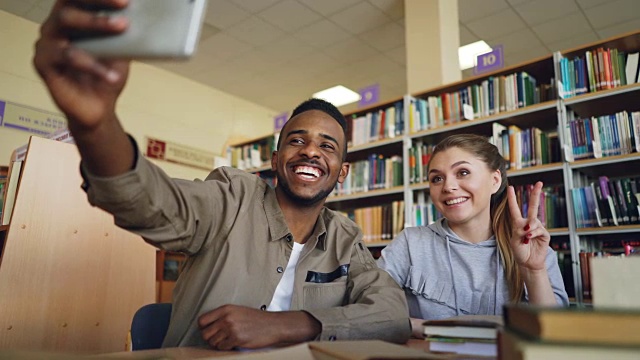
[[604, 326]]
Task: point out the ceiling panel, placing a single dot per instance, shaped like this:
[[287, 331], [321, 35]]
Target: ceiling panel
[[329, 7], [620, 28], [610, 13], [18, 7], [289, 15], [517, 41], [350, 50], [575, 41], [276, 53], [360, 18], [384, 37], [393, 8], [322, 33], [223, 13], [469, 10], [255, 6], [255, 31], [496, 25], [563, 28], [538, 11], [399, 55]]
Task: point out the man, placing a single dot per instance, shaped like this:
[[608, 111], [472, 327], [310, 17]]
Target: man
[[266, 266]]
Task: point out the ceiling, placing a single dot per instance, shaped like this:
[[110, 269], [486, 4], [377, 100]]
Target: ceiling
[[276, 53]]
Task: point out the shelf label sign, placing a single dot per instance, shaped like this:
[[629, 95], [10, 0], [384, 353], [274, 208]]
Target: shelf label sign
[[279, 121], [29, 119], [180, 154], [369, 95], [490, 61]]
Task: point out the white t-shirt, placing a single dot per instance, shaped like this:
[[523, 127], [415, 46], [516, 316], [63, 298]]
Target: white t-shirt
[[282, 297]]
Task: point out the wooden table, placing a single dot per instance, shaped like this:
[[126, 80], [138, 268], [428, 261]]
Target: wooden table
[[184, 353]]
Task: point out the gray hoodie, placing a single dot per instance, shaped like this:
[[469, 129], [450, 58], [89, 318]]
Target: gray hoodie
[[445, 276]]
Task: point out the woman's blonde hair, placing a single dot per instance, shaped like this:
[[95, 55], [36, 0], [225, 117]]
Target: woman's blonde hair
[[482, 149]]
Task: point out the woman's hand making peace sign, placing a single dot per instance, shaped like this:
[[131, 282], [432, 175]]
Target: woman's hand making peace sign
[[529, 238]]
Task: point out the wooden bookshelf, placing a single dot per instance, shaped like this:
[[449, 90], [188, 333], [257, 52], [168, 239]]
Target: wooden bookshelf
[[70, 280]]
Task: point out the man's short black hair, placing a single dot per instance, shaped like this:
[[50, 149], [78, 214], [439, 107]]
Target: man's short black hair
[[327, 108]]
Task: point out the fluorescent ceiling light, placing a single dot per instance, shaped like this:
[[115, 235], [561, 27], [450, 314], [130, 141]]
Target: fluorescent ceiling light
[[338, 95], [467, 54]]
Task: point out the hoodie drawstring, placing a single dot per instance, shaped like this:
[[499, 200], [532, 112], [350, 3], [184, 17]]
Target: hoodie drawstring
[[497, 286], [453, 278]]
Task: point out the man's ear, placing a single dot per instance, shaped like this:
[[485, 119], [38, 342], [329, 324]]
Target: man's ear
[[344, 171], [274, 161]]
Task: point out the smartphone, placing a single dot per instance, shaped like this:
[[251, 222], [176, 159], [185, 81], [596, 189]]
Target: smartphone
[[158, 29]]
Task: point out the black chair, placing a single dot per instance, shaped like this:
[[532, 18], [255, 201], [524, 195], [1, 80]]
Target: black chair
[[149, 326]]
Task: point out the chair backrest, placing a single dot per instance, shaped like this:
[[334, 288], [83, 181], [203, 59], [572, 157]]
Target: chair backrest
[[149, 326]]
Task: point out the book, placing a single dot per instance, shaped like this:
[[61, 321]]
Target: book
[[613, 280], [463, 346], [604, 326], [464, 326], [515, 347]]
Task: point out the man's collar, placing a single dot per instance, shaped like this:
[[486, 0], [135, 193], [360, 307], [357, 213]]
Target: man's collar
[[278, 226]]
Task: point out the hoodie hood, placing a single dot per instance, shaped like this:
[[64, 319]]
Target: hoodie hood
[[441, 229]]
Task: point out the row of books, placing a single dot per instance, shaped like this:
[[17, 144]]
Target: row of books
[[253, 155], [489, 97], [376, 125], [523, 148], [607, 135], [607, 202], [551, 210], [379, 223], [419, 156], [596, 70], [376, 172], [423, 211]]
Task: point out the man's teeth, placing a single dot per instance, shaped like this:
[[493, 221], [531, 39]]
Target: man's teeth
[[307, 170], [455, 201]]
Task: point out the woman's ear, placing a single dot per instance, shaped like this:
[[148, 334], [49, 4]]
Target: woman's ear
[[496, 181]]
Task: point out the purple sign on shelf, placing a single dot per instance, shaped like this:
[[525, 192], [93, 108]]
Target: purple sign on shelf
[[490, 61], [279, 121], [369, 95], [2, 104]]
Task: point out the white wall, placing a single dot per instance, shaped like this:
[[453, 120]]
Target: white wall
[[155, 103]]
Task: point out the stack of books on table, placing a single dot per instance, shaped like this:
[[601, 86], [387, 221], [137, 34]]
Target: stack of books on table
[[465, 335], [549, 333]]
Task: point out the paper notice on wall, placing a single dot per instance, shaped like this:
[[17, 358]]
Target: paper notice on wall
[[30, 119], [180, 154]]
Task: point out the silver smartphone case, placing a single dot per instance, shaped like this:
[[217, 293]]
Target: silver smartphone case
[[157, 29]]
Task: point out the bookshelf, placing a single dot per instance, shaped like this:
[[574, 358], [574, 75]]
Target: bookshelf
[[526, 108], [600, 140], [168, 267], [70, 280], [254, 156]]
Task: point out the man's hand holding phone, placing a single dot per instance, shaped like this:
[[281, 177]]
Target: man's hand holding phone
[[84, 87]]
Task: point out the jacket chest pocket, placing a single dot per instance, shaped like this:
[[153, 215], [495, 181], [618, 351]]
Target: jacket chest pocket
[[322, 296]]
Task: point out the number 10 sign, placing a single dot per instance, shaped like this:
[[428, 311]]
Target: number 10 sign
[[490, 61]]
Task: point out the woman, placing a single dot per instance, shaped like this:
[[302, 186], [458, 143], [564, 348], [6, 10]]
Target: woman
[[483, 253]]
